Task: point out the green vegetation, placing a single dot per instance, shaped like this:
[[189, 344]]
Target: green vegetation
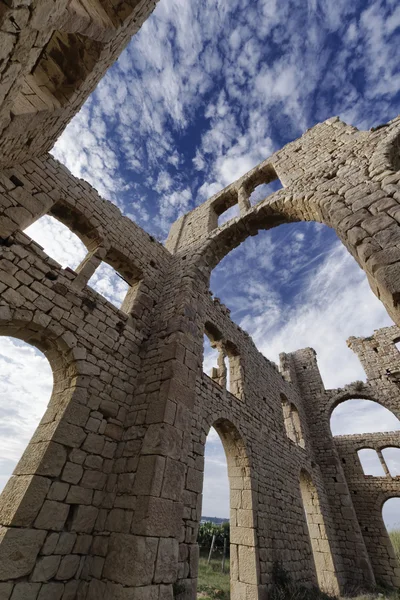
[[395, 538], [214, 585], [284, 589], [207, 531]]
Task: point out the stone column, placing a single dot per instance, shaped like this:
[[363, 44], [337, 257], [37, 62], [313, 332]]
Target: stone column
[[156, 550], [383, 463], [243, 200], [349, 553]]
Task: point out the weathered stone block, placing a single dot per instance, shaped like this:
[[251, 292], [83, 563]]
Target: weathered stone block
[[21, 500], [18, 551], [131, 559], [167, 561], [84, 518], [46, 568], [52, 516]]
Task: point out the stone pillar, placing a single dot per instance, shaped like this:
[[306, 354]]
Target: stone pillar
[[243, 200], [383, 463], [88, 266], [156, 550], [349, 553]]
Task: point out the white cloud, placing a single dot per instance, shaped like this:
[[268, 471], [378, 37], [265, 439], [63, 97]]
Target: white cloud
[[26, 382], [57, 241], [362, 416]]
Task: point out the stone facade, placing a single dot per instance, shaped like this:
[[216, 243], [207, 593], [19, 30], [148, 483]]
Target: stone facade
[[106, 501]]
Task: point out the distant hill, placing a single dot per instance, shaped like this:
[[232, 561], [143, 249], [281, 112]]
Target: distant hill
[[216, 520]]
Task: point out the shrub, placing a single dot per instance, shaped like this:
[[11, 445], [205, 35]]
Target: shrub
[[284, 589], [395, 539]]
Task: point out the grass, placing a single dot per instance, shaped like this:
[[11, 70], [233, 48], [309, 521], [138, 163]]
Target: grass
[[213, 584], [395, 539]]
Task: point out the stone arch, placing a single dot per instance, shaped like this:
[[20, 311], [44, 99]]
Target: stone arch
[[78, 222], [45, 454], [383, 557], [372, 246], [244, 567], [364, 392], [320, 546]]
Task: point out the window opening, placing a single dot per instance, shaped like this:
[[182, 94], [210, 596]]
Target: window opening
[[362, 416], [224, 493], [292, 422], [107, 282], [263, 190], [392, 459], [58, 241], [210, 358], [370, 462], [26, 384], [228, 215]]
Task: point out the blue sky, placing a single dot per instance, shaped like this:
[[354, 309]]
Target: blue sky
[[206, 90]]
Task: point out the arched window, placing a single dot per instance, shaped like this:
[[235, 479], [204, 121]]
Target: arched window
[[362, 416], [26, 384], [370, 463], [292, 422], [58, 241], [392, 460], [296, 286], [225, 493], [119, 284]]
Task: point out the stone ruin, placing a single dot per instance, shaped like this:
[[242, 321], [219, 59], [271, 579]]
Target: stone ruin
[[106, 501]]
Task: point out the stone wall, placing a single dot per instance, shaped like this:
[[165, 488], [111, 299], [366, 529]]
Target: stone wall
[[106, 501], [52, 56], [369, 493]]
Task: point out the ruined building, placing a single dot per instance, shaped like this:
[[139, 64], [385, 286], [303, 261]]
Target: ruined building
[[105, 502]]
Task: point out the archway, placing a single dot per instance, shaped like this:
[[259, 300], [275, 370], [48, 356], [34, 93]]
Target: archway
[[297, 286], [391, 518], [62, 404], [26, 382], [321, 551], [244, 566], [213, 538], [359, 415]]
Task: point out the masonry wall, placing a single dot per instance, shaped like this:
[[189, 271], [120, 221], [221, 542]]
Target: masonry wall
[[106, 501], [52, 56], [368, 494]]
